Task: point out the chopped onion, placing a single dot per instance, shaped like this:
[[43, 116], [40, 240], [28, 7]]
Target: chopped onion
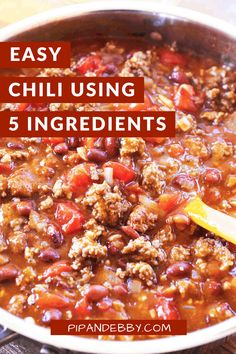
[[108, 174], [134, 286], [149, 203], [82, 152], [166, 101]]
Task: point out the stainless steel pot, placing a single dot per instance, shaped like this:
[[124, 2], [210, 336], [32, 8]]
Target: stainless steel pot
[[136, 20]]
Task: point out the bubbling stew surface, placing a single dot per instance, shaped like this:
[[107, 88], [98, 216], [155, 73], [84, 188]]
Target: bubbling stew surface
[[95, 228]]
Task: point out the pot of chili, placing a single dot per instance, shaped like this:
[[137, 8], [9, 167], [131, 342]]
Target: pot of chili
[[96, 228]]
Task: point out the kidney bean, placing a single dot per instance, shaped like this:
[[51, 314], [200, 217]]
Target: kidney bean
[[179, 76], [104, 304], [212, 288], [57, 268], [53, 314], [8, 272], [179, 270], [134, 188], [129, 231], [15, 146], [113, 250], [96, 293], [184, 182], [110, 69], [73, 142], [48, 255], [120, 290], [122, 262], [212, 176], [96, 155], [61, 149], [111, 146], [24, 207], [55, 235], [166, 309], [99, 143]]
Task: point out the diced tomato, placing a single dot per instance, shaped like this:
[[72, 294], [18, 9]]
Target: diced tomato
[[155, 140], [121, 172], [145, 106], [166, 309], [168, 202], [5, 168], [22, 106], [92, 63], [69, 217], [83, 308], [53, 140], [184, 98], [169, 57], [57, 268], [175, 150], [78, 178], [47, 300]]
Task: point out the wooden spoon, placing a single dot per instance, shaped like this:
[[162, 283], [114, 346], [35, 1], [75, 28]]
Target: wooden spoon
[[219, 223]]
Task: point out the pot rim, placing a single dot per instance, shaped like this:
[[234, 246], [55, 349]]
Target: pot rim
[[90, 6], [149, 346]]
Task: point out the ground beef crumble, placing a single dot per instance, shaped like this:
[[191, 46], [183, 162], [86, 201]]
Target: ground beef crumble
[[153, 179], [196, 147], [108, 204], [220, 88], [164, 236], [220, 150], [143, 250], [180, 253], [140, 270], [141, 219], [87, 247], [207, 248]]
